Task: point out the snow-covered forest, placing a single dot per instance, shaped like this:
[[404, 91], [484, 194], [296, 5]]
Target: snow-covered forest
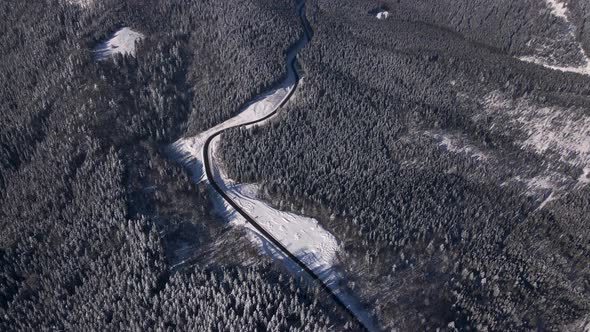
[[434, 159]]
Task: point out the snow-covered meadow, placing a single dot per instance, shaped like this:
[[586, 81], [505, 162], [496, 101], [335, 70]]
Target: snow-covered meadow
[[382, 15]]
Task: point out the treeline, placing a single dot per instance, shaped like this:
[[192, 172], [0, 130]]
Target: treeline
[[432, 238], [99, 230]]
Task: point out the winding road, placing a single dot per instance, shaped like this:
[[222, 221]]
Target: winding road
[[209, 172]]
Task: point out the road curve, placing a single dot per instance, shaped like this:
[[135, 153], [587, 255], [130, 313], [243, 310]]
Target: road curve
[[209, 173]]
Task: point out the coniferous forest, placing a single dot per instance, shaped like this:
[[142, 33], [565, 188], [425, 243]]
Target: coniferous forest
[[444, 145]]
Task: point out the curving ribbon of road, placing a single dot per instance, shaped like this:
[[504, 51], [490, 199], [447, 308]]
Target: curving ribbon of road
[[209, 172]]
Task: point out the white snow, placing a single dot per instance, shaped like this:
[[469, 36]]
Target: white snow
[[549, 182], [382, 15], [540, 182], [548, 185], [558, 9], [585, 176], [122, 41], [546, 200]]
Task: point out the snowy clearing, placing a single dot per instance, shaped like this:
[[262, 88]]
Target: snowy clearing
[[382, 15], [542, 183], [122, 42], [553, 129], [547, 186]]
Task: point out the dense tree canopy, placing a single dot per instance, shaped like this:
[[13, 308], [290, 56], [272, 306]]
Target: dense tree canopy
[[100, 231]]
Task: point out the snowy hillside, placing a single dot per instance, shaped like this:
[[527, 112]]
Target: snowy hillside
[[562, 132], [562, 51]]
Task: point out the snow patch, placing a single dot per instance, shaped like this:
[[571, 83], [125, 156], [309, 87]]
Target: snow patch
[[547, 183], [81, 3], [558, 9], [542, 183], [583, 70], [382, 15], [122, 42]]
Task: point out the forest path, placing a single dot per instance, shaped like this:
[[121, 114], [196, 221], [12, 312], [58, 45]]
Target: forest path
[[198, 154]]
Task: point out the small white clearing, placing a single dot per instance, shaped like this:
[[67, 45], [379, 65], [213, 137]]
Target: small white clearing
[[122, 42], [382, 15]]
